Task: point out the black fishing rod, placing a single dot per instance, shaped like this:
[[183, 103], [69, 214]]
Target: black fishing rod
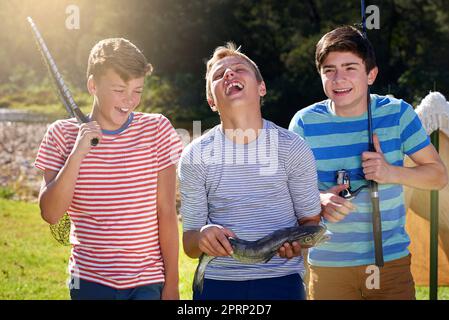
[[63, 90], [373, 186], [60, 230]]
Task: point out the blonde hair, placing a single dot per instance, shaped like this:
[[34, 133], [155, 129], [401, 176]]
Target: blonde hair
[[120, 55], [229, 50]]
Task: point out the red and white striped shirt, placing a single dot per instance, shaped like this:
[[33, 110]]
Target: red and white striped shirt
[[114, 230]]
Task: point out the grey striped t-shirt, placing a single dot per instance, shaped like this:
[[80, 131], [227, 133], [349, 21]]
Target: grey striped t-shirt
[[252, 189]]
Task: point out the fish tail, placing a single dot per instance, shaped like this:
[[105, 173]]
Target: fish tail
[[198, 279]]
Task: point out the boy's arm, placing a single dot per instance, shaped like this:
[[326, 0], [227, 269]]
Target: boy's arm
[[303, 187], [57, 188], [168, 230], [429, 172], [199, 237]]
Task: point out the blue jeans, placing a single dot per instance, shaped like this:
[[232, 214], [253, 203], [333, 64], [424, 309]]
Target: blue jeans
[[86, 290], [288, 287]]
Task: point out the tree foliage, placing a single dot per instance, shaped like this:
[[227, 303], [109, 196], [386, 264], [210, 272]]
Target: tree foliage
[[178, 36]]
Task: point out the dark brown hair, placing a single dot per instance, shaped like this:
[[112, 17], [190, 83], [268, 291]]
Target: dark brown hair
[[345, 39]]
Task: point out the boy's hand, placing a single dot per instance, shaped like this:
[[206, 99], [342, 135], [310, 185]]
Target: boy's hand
[[170, 292], [334, 207], [375, 167], [86, 133], [213, 240], [289, 251]]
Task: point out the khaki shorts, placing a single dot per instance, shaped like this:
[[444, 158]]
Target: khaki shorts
[[392, 282]]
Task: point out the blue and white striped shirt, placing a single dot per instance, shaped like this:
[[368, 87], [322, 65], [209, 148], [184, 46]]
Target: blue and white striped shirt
[[337, 143], [252, 189]]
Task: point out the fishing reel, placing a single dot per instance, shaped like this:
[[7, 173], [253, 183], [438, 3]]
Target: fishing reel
[[343, 178]]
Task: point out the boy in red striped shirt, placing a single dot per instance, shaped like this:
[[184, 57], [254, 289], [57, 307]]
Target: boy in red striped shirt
[[120, 194]]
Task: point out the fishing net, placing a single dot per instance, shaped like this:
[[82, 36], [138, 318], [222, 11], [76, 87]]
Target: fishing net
[[61, 230]]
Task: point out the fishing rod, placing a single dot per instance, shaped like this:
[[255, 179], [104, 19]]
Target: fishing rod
[[373, 186], [62, 89], [60, 230]]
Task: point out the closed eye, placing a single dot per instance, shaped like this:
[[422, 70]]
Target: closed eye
[[217, 76]]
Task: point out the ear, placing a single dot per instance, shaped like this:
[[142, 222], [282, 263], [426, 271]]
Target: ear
[[91, 85], [372, 75], [212, 105], [262, 89]]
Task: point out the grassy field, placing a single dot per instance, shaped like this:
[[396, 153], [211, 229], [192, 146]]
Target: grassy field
[[33, 265]]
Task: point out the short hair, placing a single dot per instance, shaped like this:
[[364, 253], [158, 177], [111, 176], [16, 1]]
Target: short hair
[[345, 39], [229, 50], [120, 55]]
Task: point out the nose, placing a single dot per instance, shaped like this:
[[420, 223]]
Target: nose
[[338, 75], [128, 99], [229, 73]]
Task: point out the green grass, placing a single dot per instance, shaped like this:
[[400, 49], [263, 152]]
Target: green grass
[[33, 266], [422, 293]]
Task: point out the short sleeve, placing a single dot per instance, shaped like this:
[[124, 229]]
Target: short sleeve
[[52, 151], [413, 134], [169, 145], [296, 124]]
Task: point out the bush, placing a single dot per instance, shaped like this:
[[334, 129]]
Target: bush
[[6, 193]]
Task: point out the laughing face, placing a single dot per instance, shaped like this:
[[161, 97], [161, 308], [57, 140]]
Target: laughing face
[[234, 85], [345, 82], [114, 99]]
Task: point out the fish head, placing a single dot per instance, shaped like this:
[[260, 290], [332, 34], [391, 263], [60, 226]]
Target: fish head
[[313, 236]]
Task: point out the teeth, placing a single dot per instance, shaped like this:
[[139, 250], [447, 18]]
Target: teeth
[[234, 84], [124, 109], [342, 90]]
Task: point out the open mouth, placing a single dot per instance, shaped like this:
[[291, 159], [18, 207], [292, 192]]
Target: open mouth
[[342, 91], [233, 87], [122, 110]]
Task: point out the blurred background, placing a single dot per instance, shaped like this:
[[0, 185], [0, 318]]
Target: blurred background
[[178, 37]]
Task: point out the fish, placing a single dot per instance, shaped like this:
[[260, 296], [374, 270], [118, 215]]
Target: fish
[[264, 249]]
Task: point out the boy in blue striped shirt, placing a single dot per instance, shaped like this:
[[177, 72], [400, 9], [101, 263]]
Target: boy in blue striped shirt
[[336, 130]]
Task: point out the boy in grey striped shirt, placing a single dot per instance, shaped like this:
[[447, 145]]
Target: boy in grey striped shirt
[[245, 178]]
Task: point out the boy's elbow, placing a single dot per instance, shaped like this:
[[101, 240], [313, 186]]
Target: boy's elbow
[[50, 219], [442, 177], [47, 215], [443, 181]]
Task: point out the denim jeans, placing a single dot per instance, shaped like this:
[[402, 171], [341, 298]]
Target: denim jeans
[[289, 287], [86, 290]]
